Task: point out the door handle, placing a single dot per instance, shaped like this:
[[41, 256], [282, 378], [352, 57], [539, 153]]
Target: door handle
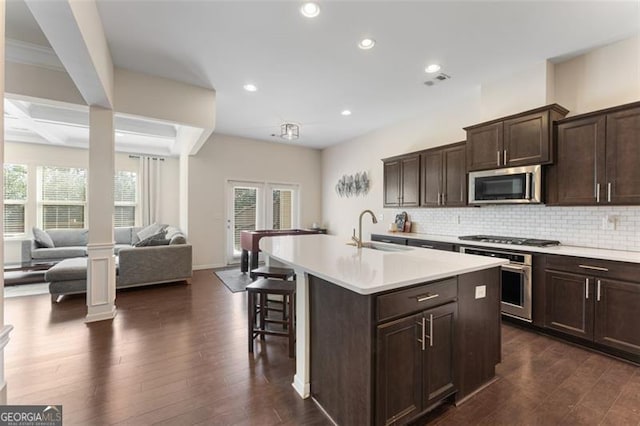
[[423, 326], [598, 291], [498, 157], [608, 192], [597, 192], [586, 288], [504, 161]]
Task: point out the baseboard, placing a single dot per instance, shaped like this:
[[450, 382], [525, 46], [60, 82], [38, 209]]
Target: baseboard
[[209, 266]]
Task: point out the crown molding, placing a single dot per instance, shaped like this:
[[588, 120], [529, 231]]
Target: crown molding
[[22, 52]]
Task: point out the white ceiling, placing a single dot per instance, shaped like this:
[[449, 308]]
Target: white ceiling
[[309, 70]]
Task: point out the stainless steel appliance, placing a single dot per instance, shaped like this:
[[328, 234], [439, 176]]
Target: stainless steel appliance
[[505, 186], [510, 240], [516, 281]]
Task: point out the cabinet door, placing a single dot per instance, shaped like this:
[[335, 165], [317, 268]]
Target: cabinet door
[[569, 306], [616, 315], [399, 370], [438, 367], [454, 185], [431, 178], [484, 147], [579, 168], [410, 182], [623, 157], [392, 183], [526, 140]]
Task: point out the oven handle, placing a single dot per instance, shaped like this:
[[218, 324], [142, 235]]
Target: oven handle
[[527, 190], [514, 268]]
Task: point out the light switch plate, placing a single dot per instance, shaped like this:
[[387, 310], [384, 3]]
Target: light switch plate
[[481, 291]]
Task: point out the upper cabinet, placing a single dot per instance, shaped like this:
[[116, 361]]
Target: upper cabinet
[[402, 181], [597, 159], [444, 180], [517, 140]]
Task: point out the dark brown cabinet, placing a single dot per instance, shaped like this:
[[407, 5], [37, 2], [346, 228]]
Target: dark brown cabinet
[[415, 365], [436, 245], [402, 181], [597, 158], [594, 300], [517, 140], [444, 179]]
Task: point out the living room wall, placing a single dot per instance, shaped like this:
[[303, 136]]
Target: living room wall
[[225, 158], [37, 154]]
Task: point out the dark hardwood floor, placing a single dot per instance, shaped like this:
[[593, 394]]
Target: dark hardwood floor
[[177, 354]]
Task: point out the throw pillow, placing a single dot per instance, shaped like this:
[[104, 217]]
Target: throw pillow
[[42, 238], [150, 230], [150, 240]]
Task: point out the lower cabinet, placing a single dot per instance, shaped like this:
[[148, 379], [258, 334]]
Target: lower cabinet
[[593, 306], [415, 363]]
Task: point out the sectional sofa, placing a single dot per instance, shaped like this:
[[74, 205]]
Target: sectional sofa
[[162, 260]]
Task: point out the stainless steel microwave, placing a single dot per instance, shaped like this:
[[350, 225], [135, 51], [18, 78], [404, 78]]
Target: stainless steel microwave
[[512, 185]]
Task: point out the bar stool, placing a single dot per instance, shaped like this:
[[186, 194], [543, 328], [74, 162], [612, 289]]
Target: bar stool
[[273, 272], [258, 310]]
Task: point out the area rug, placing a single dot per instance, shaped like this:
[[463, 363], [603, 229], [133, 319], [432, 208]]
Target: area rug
[[233, 279]]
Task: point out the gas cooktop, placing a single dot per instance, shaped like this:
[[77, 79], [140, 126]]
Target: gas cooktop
[[510, 240]]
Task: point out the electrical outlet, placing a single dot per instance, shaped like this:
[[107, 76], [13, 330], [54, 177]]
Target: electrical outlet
[[381, 216], [481, 291]]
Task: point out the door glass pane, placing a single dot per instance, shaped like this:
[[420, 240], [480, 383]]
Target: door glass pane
[[244, 213], [282, 209]]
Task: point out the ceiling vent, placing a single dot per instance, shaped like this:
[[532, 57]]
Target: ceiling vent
[[437, 79]]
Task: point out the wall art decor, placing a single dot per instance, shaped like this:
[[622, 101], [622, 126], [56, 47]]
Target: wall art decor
[[353, 185]]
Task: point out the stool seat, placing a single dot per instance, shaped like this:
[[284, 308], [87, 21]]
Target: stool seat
[[272, 272], [258, 310]]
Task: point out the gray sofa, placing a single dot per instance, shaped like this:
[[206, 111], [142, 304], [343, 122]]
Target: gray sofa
[[167, 260]]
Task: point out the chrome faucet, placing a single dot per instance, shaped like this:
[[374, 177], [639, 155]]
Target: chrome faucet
[[358, 239]]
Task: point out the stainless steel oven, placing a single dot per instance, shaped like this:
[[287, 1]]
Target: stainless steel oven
[[506, 186], [516, 281]]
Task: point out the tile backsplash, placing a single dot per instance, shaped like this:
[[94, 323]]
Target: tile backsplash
[[576, 226]]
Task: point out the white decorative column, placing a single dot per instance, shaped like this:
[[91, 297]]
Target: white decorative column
[[101, 266], [302, 379]]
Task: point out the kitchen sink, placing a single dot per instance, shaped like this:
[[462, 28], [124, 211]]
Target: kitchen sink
[[383, 247]]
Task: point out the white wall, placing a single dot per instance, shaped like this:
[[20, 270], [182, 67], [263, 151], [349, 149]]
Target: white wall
[[225, 158], [602, 78], [35, 155]]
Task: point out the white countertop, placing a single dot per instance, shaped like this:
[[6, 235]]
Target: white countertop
[[368, 271], [561, 250]]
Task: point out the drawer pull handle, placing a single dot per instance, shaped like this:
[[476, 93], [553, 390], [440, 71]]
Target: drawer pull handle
[[425, 297], [425, 246], [386, 241], [598, 291], [595, 268]]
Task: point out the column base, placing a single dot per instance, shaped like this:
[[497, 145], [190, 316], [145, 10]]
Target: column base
[[98, 315]]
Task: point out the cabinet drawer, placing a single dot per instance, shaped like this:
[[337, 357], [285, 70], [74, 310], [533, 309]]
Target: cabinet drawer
[[416, 299], [387, 239], [595, 267]]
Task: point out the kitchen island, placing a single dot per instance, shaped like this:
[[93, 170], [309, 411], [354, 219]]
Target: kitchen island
[[385, 333]]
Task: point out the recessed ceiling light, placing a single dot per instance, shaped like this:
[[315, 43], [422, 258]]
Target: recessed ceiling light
[[346, 112], [310, 9], [250, 87], [366, 43], [432, 68]]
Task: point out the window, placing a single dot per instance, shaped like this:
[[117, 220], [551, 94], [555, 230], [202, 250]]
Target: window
[[63, 197], [15, 198], [125, 185]]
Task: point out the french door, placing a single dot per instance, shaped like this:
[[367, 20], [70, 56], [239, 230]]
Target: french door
[[258, 205]]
